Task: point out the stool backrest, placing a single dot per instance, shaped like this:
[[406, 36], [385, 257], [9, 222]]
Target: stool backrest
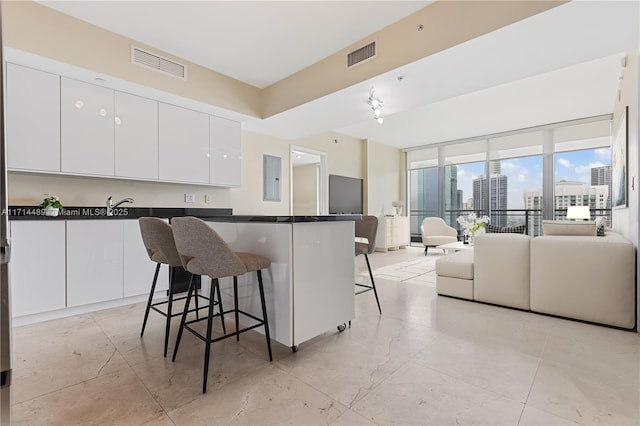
[[157, 237], [368, 228], [198, 243]]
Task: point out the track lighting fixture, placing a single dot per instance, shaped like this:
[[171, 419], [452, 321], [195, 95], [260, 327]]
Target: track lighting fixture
[[376, 106]]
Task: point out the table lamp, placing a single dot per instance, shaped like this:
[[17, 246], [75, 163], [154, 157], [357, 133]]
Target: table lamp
[[578, 212]]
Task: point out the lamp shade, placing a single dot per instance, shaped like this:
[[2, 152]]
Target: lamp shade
[[578, 212]]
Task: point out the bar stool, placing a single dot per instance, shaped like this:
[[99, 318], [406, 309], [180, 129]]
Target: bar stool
[[204, 252], [367, 228], [157, 237]]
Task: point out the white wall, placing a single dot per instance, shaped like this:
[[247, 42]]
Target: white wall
[[305, 190], [384, 180], [625, 220]]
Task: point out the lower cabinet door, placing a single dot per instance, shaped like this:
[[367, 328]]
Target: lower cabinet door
[[94, 261], [37, 267]]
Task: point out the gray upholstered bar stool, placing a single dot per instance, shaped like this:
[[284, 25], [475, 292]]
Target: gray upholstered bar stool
[[157, 237], [204, 252], [367, 228]]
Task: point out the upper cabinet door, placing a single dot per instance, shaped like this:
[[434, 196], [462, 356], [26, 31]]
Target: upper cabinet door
[[225, 146], [136, 136], [33, 119], [184, 145], [87, 128]]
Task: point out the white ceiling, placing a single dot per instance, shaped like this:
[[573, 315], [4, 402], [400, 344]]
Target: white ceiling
[[559, 65]]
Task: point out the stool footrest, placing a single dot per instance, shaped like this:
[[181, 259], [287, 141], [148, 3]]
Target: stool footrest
[[366, 288], [164, 302], [225, 336]]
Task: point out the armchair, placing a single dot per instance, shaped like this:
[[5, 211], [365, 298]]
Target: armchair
[[436, 232]]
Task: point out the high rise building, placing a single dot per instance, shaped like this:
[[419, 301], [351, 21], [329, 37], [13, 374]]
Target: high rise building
[[602, 176], [580, 194], [497, 198], [451, 198], [533, 201], [424, 196]]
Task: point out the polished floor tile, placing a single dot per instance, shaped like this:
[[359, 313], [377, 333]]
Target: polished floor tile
[[426, 360]]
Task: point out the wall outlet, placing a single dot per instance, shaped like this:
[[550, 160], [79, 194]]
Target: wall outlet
[[207, 198], [189, 198]]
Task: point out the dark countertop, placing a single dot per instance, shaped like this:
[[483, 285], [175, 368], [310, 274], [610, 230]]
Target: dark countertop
[[208, 214], [123, 212]]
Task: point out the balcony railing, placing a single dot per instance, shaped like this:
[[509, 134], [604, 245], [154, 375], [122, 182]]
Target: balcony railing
[[531, 218]]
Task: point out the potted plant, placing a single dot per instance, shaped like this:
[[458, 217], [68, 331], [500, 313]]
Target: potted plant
[[398, 206], [51, 205], [473, 225]]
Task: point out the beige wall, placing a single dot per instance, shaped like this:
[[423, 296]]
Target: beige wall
[[305, 190], [446, 24], [627, 220], [343, 158], [43, 31], [384, 178], [37, 29]]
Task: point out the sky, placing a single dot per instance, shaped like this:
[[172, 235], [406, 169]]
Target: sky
[[525, 173]]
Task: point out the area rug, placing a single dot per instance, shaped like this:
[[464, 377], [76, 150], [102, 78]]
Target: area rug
[[420, 270]]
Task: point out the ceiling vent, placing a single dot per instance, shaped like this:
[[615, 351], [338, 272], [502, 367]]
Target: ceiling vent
[[363, 54], [158, 63]]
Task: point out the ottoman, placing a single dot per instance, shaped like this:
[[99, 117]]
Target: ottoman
[[454, 275]]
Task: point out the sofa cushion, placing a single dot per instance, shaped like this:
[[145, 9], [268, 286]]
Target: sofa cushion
[[518, 229], [601, 225], [501, 269], [456, 265], [566, 228]]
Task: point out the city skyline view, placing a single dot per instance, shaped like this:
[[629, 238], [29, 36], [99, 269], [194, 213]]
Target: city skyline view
[[525, 173]]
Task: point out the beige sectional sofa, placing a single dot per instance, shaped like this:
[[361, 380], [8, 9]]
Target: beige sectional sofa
[[586, 278]]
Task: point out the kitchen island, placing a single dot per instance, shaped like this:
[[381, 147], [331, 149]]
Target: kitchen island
[[98, 262]]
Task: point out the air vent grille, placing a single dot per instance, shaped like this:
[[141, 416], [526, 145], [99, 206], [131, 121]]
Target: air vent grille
[[151, 60], [365, 53]]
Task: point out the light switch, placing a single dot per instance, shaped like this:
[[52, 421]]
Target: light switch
[[189, 198]]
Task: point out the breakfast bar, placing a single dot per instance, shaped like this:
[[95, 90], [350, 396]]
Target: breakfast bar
[[308, 288]]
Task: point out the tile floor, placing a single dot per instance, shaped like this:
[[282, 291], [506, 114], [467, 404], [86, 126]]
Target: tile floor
[[426, 360]]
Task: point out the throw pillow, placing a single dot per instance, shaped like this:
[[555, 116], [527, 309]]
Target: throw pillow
[[493, 229], [566, 227], [601, 224]]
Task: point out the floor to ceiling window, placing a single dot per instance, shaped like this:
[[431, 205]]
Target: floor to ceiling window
[[516, 180], [424, 192], [465, 189], [519, 177]]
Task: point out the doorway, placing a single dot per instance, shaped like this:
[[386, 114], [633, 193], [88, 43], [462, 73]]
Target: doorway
[[309, 182]]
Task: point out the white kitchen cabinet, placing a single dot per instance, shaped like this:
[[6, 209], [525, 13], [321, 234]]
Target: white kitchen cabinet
[[87, 128], [37, 266], [136, 136], [183, 145], [224, 145], [94, 261], [138, 268], [393, 233], [32, 119]]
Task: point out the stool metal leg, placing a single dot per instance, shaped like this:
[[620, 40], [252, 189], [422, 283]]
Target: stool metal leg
[[264, 314], [183, 320], [172, 274], [235, 305], [373, 283], [207, 350], [221, 310], [198, 281], [153, 289]]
